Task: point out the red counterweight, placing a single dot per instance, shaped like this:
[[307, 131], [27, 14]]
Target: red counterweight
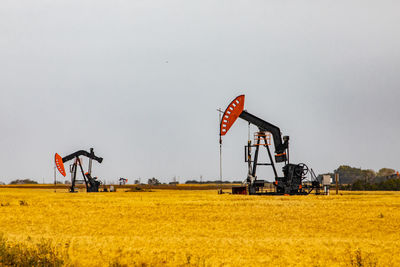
[[231, 114]]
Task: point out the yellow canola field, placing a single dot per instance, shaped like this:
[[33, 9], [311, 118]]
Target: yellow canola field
[[202, 228]]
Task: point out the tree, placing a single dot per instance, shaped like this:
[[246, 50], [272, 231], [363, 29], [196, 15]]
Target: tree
[[389, 184], [358, 185], [153, 181], [368, 175], [385, 172], [23, 181], [136, 181], [349, 175], [191, 182]]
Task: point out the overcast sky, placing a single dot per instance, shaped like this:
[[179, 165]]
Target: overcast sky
[[140, 81]]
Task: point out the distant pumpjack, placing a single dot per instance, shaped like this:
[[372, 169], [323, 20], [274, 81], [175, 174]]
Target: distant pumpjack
[[122, 181], [91, 183]]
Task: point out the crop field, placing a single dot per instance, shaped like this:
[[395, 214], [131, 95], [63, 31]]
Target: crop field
[[198, 228]]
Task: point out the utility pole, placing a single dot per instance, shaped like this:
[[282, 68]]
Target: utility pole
[[90, 162], [220, 149], [337, 182], [55, 179]]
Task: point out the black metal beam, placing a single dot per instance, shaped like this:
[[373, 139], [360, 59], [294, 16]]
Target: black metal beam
[[266, 127], [82, 153]]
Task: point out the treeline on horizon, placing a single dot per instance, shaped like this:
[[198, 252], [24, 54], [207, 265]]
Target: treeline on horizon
[[212, 182], [392, 184], [152, 181], [350, 178], [357, 179]]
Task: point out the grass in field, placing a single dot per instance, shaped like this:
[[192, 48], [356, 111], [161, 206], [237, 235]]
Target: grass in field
[[38, 254], [202, 228]]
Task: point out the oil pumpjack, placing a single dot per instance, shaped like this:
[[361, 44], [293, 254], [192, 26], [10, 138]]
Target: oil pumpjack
[[291, 183], [91, 183]]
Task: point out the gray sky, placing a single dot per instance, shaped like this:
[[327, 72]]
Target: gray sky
[[140, 82]]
